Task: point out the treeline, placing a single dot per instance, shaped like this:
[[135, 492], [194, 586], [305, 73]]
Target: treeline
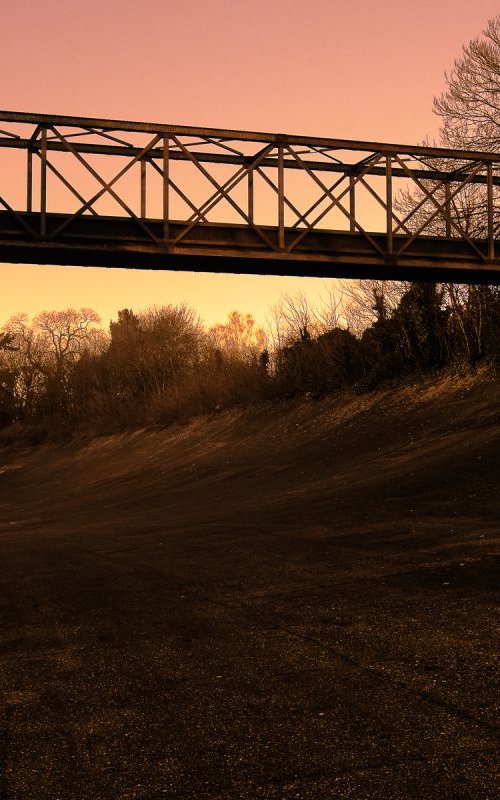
[[62, 371]]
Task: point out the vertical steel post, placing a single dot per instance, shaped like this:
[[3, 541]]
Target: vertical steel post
[[43, 185], [491, 229], [447, 205], [166, 195], [281, 199], [29, 181], [143, 188], [352, 203], [250, 196], [388, 184]]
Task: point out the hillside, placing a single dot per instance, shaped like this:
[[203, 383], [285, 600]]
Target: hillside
[[298, 601]]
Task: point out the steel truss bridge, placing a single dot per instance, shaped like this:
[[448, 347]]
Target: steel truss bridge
[[130, 194]]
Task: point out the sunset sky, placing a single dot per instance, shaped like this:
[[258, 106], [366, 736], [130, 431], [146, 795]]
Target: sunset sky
[[342, 69]]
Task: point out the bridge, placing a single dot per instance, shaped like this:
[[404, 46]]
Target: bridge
[[102, 192]]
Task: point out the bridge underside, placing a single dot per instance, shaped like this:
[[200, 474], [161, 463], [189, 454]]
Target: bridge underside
[[232, 248]]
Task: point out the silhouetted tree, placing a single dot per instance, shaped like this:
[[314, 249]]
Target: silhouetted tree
[[421, 320], [469, 107], [6, 341], [238, 339], [44, 352]]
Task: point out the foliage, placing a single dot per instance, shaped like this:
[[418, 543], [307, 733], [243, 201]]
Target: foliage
[[159, 365], [469, 108]]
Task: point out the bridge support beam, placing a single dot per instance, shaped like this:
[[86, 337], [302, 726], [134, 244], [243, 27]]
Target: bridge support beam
[[212, 205]]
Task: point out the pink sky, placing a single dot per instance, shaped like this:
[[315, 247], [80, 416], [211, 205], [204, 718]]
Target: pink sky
[[341, 69]]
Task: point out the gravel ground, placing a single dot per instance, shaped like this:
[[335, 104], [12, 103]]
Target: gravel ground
[[298, 602]]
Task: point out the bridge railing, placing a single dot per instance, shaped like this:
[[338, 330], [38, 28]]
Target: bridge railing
[[174, 181]]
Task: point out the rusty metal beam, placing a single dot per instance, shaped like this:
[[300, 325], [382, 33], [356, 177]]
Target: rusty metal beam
[[452, 176], [238, 135], [108, 241]]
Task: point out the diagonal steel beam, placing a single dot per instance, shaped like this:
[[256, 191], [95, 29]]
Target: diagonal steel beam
[[108, 136], [18, 218], [10, 134], [226, 195], [379, 200], [334, 201], [66, 183], [314, 206], [418, 207], [221, 192], [273, 186], [370, 164], [107, 186], [177, 189], [440, 208], [226, 185]]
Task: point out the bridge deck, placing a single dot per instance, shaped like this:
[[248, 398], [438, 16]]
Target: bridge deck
[[216, 247]]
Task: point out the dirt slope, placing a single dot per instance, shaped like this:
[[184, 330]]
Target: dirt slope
[[291, 602]]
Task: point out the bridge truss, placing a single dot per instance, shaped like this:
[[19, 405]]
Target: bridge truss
[[113, 193]]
